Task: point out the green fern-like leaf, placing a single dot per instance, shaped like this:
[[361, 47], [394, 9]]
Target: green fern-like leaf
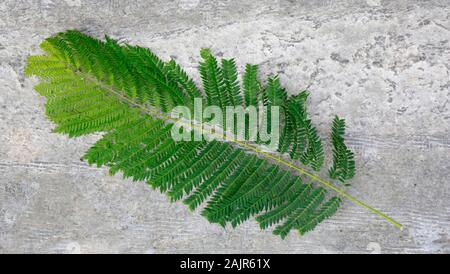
[[230, 77], [213, 81], [251, 85], [123, 91], [343, 167]]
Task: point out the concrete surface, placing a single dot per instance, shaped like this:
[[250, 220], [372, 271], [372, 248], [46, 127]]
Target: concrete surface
[[383, 66]]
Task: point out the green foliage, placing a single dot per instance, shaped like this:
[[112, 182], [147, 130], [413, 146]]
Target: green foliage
[[275, 94], [343, 167], [251, 85], [230, 76], [101, 86], [213, 81]]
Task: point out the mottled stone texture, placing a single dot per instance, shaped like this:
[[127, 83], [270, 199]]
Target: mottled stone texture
[[383, 66]]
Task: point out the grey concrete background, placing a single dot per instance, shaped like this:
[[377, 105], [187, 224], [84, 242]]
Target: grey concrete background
[[383, 66]]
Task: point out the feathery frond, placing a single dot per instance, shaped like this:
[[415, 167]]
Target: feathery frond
[[251, 85], [343, 167], [102, 86], [230, 77], [213, 81]]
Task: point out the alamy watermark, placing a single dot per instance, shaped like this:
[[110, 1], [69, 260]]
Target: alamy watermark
[[231, 123]]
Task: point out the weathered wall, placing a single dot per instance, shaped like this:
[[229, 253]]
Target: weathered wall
[[383, 66]]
